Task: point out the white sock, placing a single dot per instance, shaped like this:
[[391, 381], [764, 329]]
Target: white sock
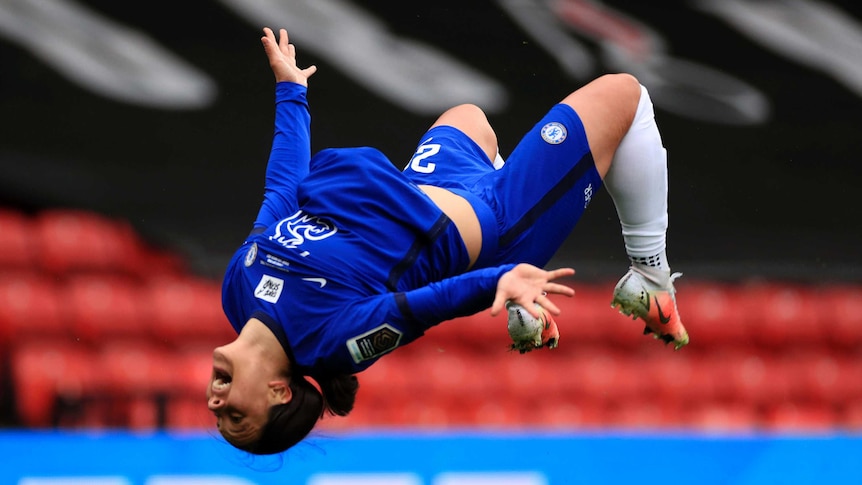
[[637, 183]]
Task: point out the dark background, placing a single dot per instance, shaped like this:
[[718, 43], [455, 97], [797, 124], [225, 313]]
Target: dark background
[[776, 200]]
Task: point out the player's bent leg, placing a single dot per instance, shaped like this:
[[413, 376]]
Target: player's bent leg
[[606, 107], [471, 120], [620, 126]]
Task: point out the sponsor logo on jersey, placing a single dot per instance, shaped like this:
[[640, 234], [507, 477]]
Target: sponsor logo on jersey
[[302, 227], [588, 195], [319, 281], [374, 343], [251, 255], [275, 262], [269, 289], [554, 133]]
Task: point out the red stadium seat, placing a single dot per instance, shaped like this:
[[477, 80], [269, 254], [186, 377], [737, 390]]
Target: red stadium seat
[[161, 263], [426, 412], [456, 371], [718, 370], [193, 370], [682, 376], [712, 314], [376, 409], [493, 412], [646, 414], [136, 379], [101, 307], [821, 376], [722, 417], [17, 240], [187, 309], [757, 377], [841, 309], [601, 375], [186, 406], [537, 372], [135, 368], [850, 416], [43, 373], [588, 319], [779, 315], [371, 409], [790, 416], [142, 412], [480, 331], [189, 413], [390, 375], [557, 412], [30, 308], [71, 240]]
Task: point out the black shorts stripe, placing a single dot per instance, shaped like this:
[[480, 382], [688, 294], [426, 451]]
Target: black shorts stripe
[[565, 184]]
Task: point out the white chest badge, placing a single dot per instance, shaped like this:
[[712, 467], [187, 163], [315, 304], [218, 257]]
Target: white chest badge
[[269, 289], [554, 133]]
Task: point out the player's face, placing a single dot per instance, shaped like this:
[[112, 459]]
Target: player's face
[[238, 395]]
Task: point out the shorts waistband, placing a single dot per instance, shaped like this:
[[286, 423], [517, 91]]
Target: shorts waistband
[[488, 223]]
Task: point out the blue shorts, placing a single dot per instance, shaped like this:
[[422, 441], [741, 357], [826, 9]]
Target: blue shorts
[[528, 207]]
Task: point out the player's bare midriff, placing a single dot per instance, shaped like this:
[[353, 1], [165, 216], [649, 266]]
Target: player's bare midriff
[[462, 215]]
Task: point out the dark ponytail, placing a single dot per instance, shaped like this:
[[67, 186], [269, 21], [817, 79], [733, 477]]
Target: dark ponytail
[[289, 423], [339, 394]]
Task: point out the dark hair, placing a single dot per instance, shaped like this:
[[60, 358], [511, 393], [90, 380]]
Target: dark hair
[[289, 423]]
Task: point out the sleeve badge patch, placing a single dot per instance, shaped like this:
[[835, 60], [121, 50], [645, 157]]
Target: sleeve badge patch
[[374, 343]]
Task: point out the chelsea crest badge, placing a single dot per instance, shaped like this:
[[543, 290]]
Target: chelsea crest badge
[[251, 255], [554, 133]]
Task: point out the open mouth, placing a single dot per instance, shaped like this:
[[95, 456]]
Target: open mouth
[[221, 379]]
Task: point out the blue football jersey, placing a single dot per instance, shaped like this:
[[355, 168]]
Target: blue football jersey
[[349, 259]]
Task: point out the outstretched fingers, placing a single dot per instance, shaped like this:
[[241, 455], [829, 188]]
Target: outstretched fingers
[[282, 58], [526, 284], [284, 44], [268, 39], [559, 273], [547, 303]]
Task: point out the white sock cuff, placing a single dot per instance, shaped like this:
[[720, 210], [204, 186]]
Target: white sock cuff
[[645, 239], [644, 112]]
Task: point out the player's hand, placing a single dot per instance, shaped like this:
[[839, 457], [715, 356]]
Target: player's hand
[[282, 58], [526, 284]]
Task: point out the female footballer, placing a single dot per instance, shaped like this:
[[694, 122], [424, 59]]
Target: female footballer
[[350, 258]]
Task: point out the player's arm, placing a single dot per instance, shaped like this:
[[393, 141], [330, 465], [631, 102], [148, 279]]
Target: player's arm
[[291, 145], [475, 291], [367, 328]]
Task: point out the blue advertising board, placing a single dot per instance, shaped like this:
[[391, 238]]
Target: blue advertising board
[[430, 458]]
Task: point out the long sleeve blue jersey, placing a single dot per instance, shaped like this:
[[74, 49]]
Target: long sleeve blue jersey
[[349, 259]]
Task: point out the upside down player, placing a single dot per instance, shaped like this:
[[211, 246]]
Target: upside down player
[[349, 257]]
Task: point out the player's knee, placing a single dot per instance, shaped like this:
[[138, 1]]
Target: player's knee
[[468, 111], [617, 93], [471, 120], [625, 87]]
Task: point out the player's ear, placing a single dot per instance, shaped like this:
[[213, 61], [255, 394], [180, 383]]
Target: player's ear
[[279, 392]]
